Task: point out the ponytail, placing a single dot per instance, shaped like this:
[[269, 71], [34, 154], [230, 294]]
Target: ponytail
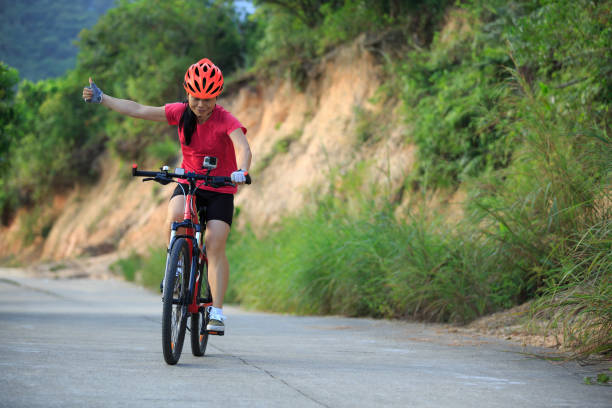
[[188, 123]]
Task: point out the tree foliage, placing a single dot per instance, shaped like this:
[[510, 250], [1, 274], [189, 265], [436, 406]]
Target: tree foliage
[[298, 32], [8, 115], [9, 128]]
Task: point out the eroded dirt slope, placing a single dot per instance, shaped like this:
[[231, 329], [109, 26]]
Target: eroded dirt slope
[[296, 136]]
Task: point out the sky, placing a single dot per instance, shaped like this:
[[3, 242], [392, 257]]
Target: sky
[[244, 7]]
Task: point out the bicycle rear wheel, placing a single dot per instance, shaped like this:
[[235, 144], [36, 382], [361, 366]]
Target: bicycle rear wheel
[[174, 313], [199, 335]]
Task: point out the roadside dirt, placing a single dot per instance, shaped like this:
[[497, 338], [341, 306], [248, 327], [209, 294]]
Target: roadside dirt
[[515, 325], [97, 267]]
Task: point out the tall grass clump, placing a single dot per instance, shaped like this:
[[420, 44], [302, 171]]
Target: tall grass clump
[[550, 214], [146, 270], [127, 266], [578, 301], [358, 260], [550, 208]]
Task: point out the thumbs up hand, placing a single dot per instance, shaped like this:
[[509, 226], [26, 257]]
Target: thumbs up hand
[[92, 93]]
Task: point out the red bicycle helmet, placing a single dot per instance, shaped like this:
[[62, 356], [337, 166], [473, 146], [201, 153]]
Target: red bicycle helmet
[[203, 79]]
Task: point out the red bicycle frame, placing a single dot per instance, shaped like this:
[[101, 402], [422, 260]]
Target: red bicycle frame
[[193, 229]]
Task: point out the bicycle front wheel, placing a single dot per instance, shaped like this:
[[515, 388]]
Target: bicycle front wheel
[[174, 313]]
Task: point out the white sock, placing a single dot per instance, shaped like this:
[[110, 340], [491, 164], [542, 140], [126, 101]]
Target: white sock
[[216, 311]]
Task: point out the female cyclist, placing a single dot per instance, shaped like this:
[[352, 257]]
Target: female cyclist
[[204, 129]]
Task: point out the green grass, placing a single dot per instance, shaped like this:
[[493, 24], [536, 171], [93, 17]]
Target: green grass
[[358, 260], [128, 266], [578, 297], [153, 267], [147, 270]]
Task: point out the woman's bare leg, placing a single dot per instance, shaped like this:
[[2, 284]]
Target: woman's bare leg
[[176, 211], [217, 232]]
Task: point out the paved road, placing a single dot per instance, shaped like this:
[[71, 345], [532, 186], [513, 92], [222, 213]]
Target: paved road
[[96, 343]]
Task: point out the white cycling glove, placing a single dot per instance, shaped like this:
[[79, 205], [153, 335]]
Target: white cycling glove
[[239, 176]]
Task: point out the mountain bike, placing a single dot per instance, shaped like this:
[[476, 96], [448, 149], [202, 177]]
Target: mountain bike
[[186, 265]]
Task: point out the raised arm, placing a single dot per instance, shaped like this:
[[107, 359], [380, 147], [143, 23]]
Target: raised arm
[[126, 107]]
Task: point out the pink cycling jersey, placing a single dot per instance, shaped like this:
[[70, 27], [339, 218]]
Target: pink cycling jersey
[[211, 138]]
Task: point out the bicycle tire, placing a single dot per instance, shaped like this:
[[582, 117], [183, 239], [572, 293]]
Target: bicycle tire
[[199, 340], [199, 335], [174, 312]]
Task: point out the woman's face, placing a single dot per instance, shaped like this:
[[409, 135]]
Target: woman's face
[[202, 107]]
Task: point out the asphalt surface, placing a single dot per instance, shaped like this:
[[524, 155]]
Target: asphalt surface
[[97, 343]]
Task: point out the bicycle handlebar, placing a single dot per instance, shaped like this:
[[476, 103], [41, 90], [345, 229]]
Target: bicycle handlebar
[[165, 176]]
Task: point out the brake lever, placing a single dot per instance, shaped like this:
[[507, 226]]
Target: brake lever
[[159, 179]]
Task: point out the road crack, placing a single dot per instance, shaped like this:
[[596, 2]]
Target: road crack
[[32, 288], [269, 374]]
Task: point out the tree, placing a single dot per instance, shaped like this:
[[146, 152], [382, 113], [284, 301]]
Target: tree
[[308, 11], [8, 114]]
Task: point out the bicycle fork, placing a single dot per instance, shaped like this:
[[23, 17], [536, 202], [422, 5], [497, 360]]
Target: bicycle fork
[[168, 250]]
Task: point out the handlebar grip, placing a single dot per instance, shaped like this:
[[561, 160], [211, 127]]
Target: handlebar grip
[[248, 178], [136, 172]]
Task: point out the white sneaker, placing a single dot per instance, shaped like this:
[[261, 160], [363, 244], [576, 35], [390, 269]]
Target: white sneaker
[[215, 320]]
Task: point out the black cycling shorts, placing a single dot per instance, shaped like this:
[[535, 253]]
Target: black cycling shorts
[[219, 206]]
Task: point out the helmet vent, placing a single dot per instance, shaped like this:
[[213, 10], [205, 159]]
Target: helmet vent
[[205, 68], [197, 71], [195, 83], [190, 87], [215, 91], [212, 73], [210, 87]]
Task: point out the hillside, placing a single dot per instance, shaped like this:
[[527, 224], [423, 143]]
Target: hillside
[[316, 127], [413, 162], [37, 37]]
